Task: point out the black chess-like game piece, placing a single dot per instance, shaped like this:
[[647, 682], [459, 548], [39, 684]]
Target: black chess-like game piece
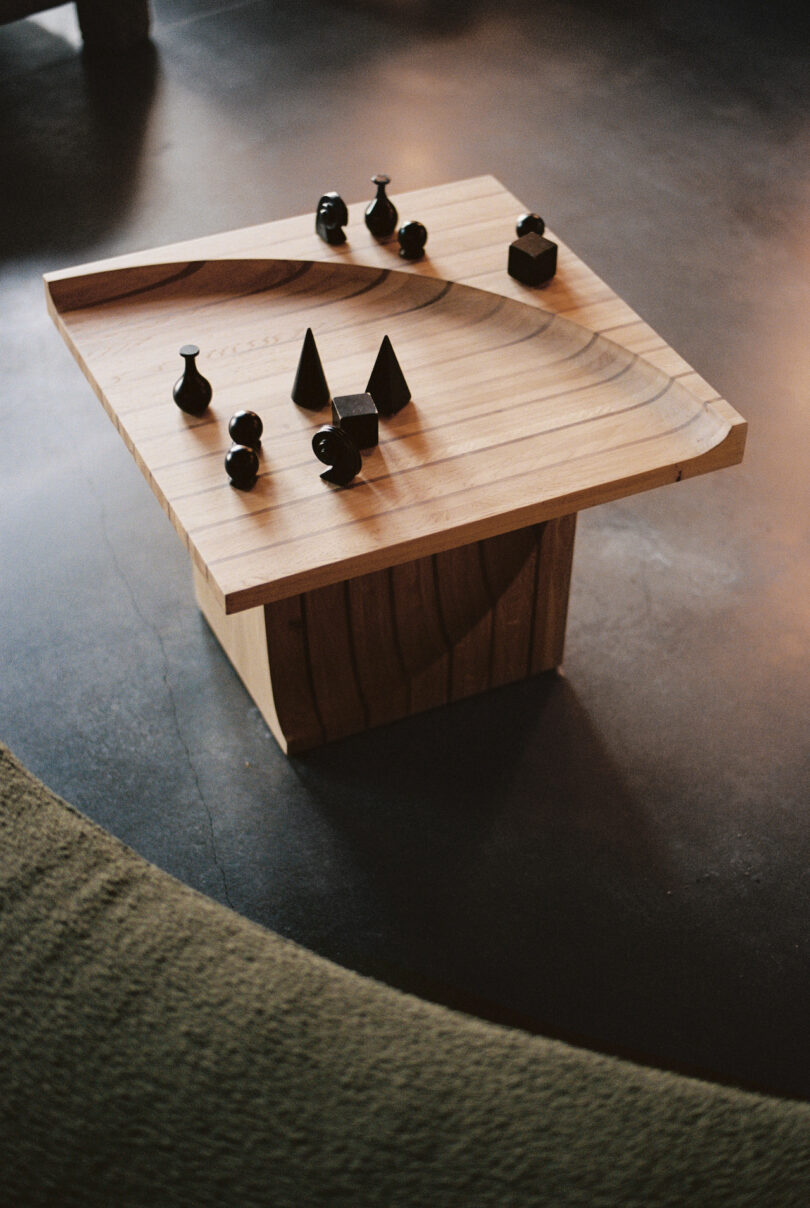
[[532, 259], [412, 238], [387, 385], [331, 217], [530, 222], [242, 466], [357, 415], [335, 448], [192, 392], [381, 214], [310, 388], [245, 428]]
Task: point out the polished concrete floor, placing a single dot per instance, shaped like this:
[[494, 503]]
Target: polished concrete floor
[[620, 855]]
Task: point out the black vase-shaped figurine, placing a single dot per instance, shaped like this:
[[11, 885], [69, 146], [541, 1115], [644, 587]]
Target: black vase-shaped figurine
[[381, 213], [192, 392]]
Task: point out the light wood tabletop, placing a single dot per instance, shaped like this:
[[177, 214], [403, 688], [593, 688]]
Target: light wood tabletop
[[527, 404]]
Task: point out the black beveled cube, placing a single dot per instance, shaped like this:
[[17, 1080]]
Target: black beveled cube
[[357, 415], [532, 259]]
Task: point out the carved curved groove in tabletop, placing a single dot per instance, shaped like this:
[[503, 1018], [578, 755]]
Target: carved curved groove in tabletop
[[517, 416]]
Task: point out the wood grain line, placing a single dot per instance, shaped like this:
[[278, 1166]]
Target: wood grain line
[[448, 645], [414, 469], [188, 270], [308, 670], [492, 596], [352, 643], [532, 402], [397, 639]]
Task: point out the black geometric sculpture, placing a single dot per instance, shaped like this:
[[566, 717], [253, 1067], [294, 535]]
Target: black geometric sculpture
[[192, 392], [310, 388], [242, 466], [412, 238], [245, 428], [356, 415], [335, 448], [331, 217], [381, 214], [532, 259], [387, 385]]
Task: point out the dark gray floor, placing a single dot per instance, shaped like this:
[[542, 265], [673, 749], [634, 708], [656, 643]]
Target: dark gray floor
[[620, 855]]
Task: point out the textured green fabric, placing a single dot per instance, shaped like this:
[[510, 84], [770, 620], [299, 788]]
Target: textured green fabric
[[156, 1049]]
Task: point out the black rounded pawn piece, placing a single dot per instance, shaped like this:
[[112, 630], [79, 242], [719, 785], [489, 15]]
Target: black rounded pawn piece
[[335, 448], [192, 392], [242, 466], [245, 428], [381, 214], [331, 217], [412, 238], [530, 222]]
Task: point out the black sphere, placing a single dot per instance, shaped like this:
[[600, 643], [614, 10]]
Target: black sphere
[[245, 428], [242, 465], [412, 238], [530, 222]]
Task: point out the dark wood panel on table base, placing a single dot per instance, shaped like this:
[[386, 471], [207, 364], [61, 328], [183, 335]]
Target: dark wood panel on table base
[[386, 645]]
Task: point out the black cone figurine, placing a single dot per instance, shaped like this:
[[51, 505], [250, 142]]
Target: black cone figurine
[[310, 388], [381, 214], [387, 385], [192, 392]]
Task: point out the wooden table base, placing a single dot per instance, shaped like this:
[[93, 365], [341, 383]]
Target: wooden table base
[[340, 659]]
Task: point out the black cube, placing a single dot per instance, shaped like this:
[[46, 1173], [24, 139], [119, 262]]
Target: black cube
[[357, 415], [532, 259]]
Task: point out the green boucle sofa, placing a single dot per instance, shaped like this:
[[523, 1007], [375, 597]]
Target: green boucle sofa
[[157, 1049]]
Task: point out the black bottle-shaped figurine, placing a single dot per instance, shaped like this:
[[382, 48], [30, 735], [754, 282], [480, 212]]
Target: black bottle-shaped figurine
[[192, 392], [381, 213]]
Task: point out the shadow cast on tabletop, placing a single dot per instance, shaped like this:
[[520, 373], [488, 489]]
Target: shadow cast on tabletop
[[73, 132]]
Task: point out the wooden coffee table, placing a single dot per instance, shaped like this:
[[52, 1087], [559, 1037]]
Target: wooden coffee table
[[444, 569]]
